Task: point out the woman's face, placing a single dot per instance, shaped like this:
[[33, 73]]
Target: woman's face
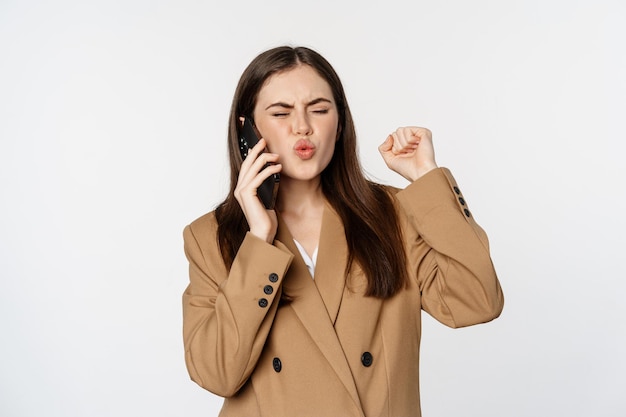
[[297, 115]]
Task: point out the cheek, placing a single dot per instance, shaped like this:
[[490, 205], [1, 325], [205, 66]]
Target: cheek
[[276, 135], [328, 150], [266, 133], [335, 128], [275, 145], [260, 126]]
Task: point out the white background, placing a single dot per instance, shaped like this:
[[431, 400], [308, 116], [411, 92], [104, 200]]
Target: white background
[[113, 119]]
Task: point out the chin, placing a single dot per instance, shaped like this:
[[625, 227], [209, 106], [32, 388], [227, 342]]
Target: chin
[[301, 176]]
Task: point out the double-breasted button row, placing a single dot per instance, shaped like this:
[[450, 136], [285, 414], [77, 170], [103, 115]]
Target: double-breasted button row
[[268, 289], [366, 359], [457, 190]]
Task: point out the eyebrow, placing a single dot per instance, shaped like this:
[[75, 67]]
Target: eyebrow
[[290, 106]]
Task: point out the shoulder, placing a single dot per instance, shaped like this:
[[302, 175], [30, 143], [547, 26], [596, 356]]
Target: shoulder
[[205, 221], [201, 243], [203, 229]]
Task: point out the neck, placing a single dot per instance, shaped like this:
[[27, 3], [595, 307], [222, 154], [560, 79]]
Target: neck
[[298, 196]]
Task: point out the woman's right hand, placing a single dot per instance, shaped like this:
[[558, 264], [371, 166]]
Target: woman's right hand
[[263, 223]]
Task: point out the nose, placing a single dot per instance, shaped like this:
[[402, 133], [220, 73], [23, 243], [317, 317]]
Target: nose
[[302, 125]]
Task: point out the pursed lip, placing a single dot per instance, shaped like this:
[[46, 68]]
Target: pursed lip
[[304, 148]]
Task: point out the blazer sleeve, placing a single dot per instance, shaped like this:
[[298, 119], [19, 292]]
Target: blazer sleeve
[[448, 252], [227, 315]]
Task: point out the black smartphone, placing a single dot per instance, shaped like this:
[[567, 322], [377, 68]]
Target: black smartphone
[[248, 137]]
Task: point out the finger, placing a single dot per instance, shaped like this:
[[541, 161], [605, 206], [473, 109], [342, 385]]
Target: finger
[[252, 157], [254, 184], [421, 132], [262, 160], [409, 138], [265, 173], [257, 149], [400, 143], [386, 145], [410, 135], [254, 163], [254, 166], [249, 183], [397, 143]]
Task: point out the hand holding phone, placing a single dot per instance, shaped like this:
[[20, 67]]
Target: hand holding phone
[[248, 138]]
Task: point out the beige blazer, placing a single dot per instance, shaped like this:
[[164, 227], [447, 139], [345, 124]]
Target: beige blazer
[[332, 351]]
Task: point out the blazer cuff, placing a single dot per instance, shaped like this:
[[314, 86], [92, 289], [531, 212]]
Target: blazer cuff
[[256, 273], [435, 190], [434, 203]]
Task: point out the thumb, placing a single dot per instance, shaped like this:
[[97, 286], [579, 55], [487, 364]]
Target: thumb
[[386, 145]]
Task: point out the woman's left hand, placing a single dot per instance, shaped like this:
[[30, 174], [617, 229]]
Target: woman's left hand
[[409, 152]]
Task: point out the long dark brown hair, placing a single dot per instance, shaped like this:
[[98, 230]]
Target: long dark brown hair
[[371, 225]]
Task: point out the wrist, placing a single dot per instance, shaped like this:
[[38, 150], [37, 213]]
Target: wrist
[[420, 172], [265, 235]]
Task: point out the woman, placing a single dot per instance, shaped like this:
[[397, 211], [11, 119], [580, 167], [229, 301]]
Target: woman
[[313, 309]]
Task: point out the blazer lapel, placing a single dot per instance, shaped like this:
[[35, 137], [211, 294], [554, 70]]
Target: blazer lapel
[[332, 258], [312, 310]]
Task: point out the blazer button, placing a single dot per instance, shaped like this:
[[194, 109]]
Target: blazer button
[[277, 364], [367, 359], [273, 277], [263, 302], [467, 212], [456, 190], [268, 289], [462, 201]]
